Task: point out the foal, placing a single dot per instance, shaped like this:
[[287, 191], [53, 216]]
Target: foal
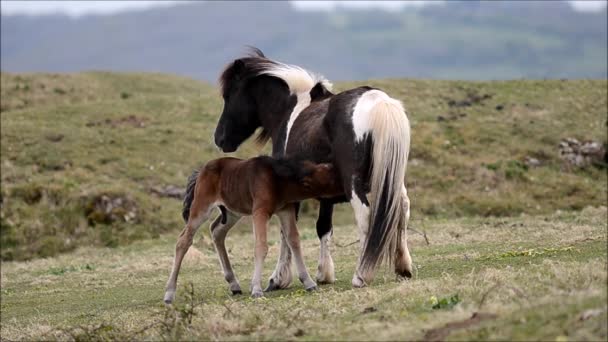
[[260, 187]]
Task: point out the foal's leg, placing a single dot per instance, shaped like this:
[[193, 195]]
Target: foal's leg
[[325, 271], [288, 220], [218, 232], [282, 276], [403, 262], [198, 214], [260, 230]]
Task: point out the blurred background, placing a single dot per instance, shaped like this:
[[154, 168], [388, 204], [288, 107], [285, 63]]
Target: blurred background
[[349, 40]]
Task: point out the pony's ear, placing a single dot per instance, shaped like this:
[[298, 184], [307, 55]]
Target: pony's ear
[[237, 68], [319, 92]]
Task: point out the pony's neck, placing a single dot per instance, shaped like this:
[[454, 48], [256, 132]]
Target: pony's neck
[[275, 103]]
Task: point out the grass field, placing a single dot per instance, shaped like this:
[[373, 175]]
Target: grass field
[[86, 246]]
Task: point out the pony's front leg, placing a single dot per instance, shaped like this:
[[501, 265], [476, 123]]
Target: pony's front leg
[[288, 222], [403, 260], [281, 277], [260, 231], [183, 244], [219, 231], [325, 271]]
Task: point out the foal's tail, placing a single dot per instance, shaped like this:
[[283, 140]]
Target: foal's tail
[[189, 195], [390, 130]]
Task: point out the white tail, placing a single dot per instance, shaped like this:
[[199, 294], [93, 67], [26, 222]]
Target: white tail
[[390, 130]]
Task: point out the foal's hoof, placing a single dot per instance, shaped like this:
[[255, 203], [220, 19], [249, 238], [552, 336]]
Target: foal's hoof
[[258, 294], [169, 297], [236, 292], [272, 286]]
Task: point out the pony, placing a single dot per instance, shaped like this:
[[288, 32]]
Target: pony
[[363, 132], [260, 187]]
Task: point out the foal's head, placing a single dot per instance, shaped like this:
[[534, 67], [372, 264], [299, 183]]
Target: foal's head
[[322, 180]]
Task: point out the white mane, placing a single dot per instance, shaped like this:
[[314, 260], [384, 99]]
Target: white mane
[[298, 79]]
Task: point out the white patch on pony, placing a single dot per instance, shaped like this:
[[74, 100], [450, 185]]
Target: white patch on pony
[[300, 82], [298, 79], [303, 102], [361, 114], [325, 272]]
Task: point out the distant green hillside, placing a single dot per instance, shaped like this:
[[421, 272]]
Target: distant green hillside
[[80, 153], [474, 40]]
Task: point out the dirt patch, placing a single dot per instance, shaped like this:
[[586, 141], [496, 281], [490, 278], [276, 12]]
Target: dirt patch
[[170, 191], [472, 98], [130, 120], [54, 137], [439, 334]]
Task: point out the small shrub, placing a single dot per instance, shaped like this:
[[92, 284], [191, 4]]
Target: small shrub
[[445, 303]]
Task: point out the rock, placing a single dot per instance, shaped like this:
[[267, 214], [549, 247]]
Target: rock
[[532, 162], [581, 154], [109, 208]]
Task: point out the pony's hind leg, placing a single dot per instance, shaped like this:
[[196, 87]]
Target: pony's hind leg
[[197, 217], [288, 223], [325, 270], [281, 277], [403, 260], [219, 230], [361, 208]]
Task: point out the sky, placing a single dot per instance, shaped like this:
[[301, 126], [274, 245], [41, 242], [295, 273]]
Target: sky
[[78, 8]]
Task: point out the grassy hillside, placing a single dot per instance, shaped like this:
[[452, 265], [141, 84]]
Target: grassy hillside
[[81, 152], [522, 244]]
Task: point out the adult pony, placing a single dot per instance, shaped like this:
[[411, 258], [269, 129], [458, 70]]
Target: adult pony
[[362, 131]]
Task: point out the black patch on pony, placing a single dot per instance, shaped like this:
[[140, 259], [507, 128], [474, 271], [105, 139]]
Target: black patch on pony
[[189, 195]]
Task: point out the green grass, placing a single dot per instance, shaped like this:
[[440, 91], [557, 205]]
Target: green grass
[[540, 296]]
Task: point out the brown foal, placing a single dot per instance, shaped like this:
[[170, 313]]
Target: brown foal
[[260, 187]]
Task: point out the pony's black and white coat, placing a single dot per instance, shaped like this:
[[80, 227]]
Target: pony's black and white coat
[[362, 131]]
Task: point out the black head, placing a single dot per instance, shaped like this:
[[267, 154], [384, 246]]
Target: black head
[[240, 118]]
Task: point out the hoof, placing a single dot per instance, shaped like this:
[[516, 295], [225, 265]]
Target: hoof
[[258, 294], [169, 297], [236, 292], [358, 282], [322, 280], [325, 273], [404, 274], [312, 288], [272, 286]]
